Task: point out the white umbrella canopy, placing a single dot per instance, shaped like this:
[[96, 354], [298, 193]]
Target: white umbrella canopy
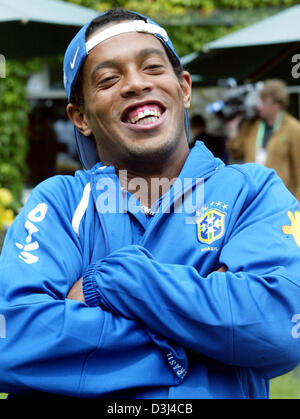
[[269, 48], [30, 28], [280, 28]]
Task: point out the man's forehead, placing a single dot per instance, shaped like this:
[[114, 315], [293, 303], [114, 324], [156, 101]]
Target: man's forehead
[[137, 45]]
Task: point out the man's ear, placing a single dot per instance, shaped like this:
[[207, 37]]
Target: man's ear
[[186, 86], [77, 116]]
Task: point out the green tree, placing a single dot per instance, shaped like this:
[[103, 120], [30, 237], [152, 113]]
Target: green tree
[[14, 109]]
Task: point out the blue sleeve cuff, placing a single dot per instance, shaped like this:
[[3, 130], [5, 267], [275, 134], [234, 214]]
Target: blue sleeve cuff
[[91, 291], [90, 288]]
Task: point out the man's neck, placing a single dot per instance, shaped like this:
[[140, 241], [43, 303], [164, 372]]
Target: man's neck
[[149, 185]]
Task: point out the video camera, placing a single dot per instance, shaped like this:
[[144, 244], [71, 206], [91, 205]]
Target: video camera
[[242, 99]]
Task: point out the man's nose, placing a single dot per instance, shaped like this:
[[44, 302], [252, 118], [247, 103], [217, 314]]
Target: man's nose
[[135, 83]]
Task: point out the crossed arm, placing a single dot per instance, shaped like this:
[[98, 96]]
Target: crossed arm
[[76, 292]]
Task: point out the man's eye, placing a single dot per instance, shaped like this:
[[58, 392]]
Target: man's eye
[[154, 67], [107, 80]]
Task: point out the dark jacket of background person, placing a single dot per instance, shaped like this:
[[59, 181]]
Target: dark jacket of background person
[[43, 146], [215, 143]]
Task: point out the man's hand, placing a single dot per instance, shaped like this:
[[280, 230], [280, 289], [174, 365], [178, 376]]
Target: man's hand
[[76, 292], [222, 269]]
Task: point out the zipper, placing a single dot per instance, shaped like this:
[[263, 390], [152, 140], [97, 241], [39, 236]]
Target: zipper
[[158, 215], [100, 215]]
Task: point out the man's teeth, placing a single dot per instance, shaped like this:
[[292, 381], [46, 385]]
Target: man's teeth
[[148, 120], [147, 116]]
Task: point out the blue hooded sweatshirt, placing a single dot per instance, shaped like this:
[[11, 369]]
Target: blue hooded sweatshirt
[[160, 320]]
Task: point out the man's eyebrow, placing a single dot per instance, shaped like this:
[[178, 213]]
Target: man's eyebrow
[[151, 51], [111, 63], [103, 64]]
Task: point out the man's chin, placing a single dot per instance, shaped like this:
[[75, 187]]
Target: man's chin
[[154, 153]]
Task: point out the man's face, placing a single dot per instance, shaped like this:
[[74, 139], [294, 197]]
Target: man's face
[[268, 108], [134, 102]]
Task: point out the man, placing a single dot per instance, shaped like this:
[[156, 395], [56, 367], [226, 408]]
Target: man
[[272, 139], [107, 295]]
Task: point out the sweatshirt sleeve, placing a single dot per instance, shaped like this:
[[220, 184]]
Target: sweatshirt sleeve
[[242, 317], [50, 343]]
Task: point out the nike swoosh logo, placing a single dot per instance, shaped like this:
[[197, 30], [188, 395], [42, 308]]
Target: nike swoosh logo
[[72, 63]]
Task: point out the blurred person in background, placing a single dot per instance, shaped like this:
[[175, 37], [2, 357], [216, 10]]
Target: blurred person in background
[[64, 130], [67, 160], [271, 139], [215, 143], [43, 146]]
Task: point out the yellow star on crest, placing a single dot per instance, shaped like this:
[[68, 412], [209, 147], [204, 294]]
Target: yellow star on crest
[[294, 228]]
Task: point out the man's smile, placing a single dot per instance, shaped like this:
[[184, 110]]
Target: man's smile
[[147, 123], [144, 115]]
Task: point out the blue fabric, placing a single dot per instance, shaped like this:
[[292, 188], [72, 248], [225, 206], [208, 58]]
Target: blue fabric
[[159, 321]]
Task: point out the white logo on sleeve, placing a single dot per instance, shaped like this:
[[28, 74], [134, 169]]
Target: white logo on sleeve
[[35, 216]]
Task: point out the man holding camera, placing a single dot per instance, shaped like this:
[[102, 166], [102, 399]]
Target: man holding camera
[[272, 139]]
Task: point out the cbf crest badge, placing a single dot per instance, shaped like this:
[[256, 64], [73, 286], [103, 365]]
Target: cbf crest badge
[[211, 226]]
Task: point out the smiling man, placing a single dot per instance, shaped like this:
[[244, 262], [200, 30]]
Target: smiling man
[[119, 282], [133, 100]]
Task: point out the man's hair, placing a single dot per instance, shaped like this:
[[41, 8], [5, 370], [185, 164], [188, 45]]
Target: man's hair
[[276, 89], [113, 15]]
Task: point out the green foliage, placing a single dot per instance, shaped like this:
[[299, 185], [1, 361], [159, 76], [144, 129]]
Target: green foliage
[[180, 6], [286, 386], [194, 37], [187, 38], [14, 109]]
